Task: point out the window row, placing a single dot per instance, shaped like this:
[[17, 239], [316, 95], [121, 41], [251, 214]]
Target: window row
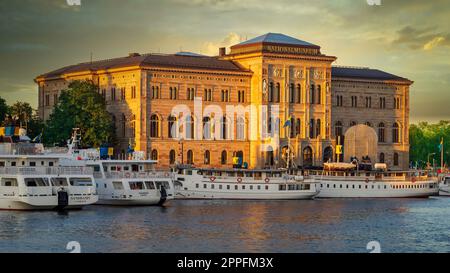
[[381, 131], [208, 94], [367, 102], [190, 157]]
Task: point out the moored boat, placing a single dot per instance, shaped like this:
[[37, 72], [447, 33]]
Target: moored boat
[[346, 181], [264, 184]]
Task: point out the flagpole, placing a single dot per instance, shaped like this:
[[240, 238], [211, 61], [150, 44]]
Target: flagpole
[[442, 154]]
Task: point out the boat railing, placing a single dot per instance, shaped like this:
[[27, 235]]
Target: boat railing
[[141, 174], [391, 176], [72, 170]]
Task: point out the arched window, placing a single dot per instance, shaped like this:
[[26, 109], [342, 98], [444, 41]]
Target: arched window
[[190, 128], [311, 128], [395, 159], [299, 93], [133, 125], [240, 128], [311, 95], [269, 158], [292, 93], [123, 121], [271, 92], [381, 133], [328, 154], [381, 159], [298, 126], [338, 129], [172, 127], [352, 123], [207, 157], [319, 94], [190, 157], [172, 157], [154, 126], [154, 154], [307, 156], [277, 93], [368, 124], [292, 128], [207, 128], [395, 133], [318, 128], [269, 125], [223, 157], [224, 128]]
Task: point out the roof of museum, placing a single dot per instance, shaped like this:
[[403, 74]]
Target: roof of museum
[[363, 73], [276, 38], [178, 60]]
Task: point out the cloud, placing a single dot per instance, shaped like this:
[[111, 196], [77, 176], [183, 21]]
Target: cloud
[[425, 38], [212, 48], [433, 43]]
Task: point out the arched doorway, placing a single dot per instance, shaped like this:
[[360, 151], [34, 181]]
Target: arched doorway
[[328, 155], [307, 157]]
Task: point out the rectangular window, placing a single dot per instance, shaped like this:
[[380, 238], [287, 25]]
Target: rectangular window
[[133, 92], [149, 185], [47, 100], [122, 93], [136, 186], [113, 94], [117, 185]]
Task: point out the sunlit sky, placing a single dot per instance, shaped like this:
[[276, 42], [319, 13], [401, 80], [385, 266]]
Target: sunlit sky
[[409, 38]]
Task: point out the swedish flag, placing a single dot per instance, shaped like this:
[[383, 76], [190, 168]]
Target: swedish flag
[[287, 123], [441, 144]]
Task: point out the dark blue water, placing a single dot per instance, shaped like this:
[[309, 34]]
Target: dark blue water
[[332, 225]]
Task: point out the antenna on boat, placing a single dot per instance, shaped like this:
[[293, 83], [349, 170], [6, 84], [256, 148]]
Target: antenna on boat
[[73, 142]]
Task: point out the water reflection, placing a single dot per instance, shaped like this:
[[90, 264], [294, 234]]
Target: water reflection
[[333, 225]]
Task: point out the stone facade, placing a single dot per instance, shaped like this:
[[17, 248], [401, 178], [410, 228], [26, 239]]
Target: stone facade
[[272, 81]]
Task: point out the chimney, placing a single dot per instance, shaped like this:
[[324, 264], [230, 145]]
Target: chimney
[[222, 51]]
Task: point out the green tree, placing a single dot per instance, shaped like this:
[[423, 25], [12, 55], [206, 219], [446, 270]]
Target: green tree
[[4, 109], [80, 106], [23, 112]]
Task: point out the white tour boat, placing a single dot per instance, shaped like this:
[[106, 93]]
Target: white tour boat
[[127, 182], [444, 186], [340, 180], [38, 182], [266, 184]]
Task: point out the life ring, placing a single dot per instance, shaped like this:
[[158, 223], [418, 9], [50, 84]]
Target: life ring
[[166, 174], [367, 180], [127, 175], [239, 180], [413, 179], [212, 178], [267, 180]]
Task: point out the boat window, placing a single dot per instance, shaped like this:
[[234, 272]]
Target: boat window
[[243, 187], [282, 187], [42, 163], [59, 181], [105, 169], [212, 186], [36, 182], [259, 187], [220, 187], [113, 168], [118, 185], [199, 172], [13, 163], [96, 168], [340, 186], [32, 164], [373, 187], [165, 184], [267, 187], [257, 175], [204, 186], [80, 181], [240, 174], [360, 186], [334, 185], [231, 174], [353, 186], [196, 186], [138, 185], [2, 163], [292, 187], [135, 168], [236, 187], [251, 187], [366, 186], [50, 164], [9, 182], [126, 168], [149, 185], [248, 174], [447, 180], [346, 186], [228, 187]]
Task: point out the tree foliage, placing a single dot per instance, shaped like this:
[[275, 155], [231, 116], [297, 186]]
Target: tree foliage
[[424, 141], [4, 109], [80, 106]]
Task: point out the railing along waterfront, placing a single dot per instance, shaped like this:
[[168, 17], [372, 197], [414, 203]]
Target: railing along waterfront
[[72, 170]]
